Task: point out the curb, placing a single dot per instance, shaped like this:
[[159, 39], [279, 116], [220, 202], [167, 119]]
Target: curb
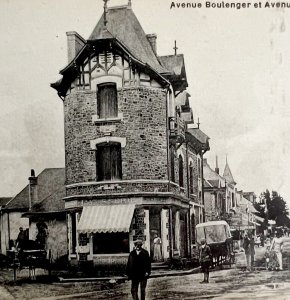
[[121, 278]]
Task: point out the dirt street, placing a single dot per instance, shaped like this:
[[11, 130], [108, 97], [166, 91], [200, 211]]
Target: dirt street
[[224, 284]]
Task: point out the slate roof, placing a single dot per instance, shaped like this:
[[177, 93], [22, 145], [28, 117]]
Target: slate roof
[[207, 184], [214, 183], [182, 99], [245, 203], [174, 64], [212, 177], [123, 25], [199, 135], [50, 183], [228, 174], [52, 203], [4, 200]]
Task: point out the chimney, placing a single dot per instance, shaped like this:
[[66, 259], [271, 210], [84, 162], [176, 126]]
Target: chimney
[[217, 170], [33, 195], [74, 44], [152, 37]]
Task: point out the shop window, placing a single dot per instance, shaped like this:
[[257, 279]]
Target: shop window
[[180, 160], [109, 162], [107, 101], [109, 243]]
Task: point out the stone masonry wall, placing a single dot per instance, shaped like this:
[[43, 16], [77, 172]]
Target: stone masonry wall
[[191, 156], [143, 125]]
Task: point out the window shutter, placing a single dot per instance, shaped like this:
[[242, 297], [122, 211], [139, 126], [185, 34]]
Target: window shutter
[[116, 162], [107, 101], [109, 162]]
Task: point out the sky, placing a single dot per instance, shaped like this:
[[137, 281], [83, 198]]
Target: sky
[[238, 70]]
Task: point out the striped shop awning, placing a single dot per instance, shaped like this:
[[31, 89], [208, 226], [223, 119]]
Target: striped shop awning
[[106, 218]]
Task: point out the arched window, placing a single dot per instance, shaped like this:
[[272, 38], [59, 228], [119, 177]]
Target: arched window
[[180, 160], [191, 178], [109, 161]]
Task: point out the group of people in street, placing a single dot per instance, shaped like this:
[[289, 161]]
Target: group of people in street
[[273, 252], [273, 255]]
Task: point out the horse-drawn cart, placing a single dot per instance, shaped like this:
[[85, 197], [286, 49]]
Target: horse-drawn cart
[[30, 259], [218, 236]]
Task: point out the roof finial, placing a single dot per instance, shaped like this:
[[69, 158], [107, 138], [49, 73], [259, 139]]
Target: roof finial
[[105, 12], [129, 3], [175, 48], [226, 158], [198, 123]]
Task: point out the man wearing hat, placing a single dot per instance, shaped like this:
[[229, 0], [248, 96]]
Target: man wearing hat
[[138, 269]]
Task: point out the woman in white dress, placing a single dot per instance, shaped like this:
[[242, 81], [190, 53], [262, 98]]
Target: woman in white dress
[[157, 248], [277, 247]]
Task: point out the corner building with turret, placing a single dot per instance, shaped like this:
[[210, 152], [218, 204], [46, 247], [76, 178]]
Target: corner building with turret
[[133, 155]]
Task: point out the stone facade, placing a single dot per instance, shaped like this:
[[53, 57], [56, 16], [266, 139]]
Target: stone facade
[[135, 128], [140, 106]]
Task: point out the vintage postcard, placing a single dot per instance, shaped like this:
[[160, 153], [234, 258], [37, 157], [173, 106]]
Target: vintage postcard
[[144, 149]]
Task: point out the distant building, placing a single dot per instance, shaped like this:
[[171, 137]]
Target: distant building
[[40, 199], [251, 196], [247, 213], [133, 164], [3, 203], [224, 202], [219, 192]]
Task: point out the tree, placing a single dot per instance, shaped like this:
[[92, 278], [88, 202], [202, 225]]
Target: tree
[[273, 207]]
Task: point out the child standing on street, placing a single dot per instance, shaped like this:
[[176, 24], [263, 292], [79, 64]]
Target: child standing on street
[[205, 259]]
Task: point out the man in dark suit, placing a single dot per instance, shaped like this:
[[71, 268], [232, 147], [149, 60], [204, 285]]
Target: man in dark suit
[[138, 269]]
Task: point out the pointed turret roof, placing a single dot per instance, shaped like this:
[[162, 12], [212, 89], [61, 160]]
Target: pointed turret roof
[[212, 177], [228, 174], [123, 25], [122, 30]]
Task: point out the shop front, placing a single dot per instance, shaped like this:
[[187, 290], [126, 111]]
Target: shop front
[[104, 234]]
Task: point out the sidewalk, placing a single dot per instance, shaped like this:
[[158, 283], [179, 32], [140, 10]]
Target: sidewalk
[[154, 274], [4, 293]]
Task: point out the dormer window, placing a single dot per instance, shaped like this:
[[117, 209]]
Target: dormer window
[[107, 100]]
